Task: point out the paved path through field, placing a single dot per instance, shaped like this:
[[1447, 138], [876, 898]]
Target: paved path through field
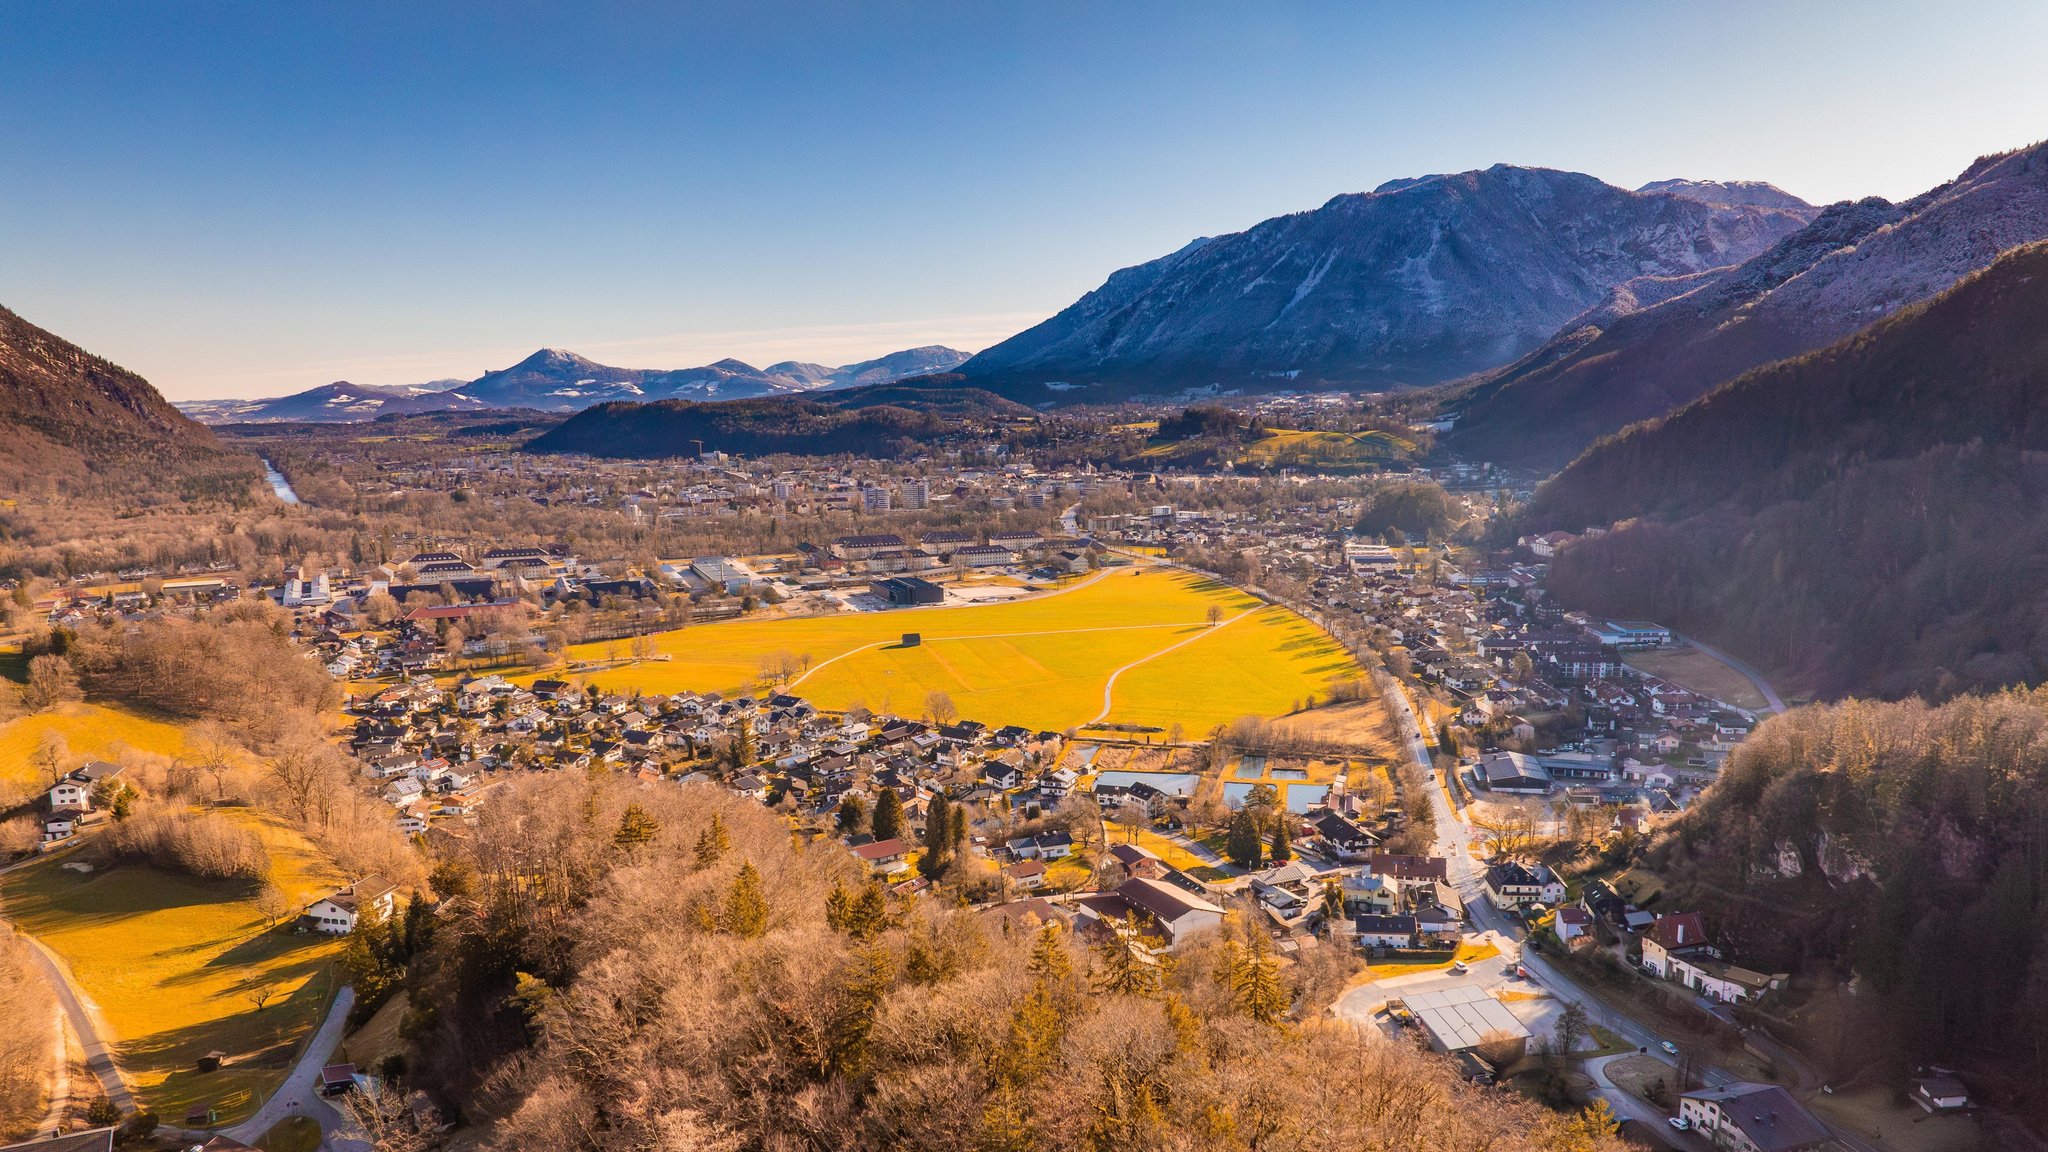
[[1109, 687]]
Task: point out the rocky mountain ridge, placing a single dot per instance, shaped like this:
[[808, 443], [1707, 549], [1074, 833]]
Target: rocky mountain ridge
[[1419, 281], [1651, 346]]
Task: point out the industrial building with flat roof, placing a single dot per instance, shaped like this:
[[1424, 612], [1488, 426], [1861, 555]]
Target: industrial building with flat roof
[[904, 591], [1463, 1018]]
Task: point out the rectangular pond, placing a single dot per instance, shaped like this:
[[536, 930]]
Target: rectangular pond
[[1171, 783], [1298, 797]]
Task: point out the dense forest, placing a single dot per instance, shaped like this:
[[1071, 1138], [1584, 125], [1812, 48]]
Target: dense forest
[[886, 421], [1900, 846], [614, 968], [1869, 518]]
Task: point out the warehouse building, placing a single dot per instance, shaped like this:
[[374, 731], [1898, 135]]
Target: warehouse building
[[906, 591], [1468, 1018]]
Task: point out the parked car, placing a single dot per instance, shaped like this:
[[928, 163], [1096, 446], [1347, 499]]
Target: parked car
[[1459, 967], [1679, 1122], [1668, 1046]]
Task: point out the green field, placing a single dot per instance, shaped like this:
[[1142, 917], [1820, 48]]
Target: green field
[[1308, 449], [170, 961], [1042, 662], [89, 730]]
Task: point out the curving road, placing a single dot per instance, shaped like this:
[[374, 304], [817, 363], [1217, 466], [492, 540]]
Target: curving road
[[1747, 672], [81, 1013], [299, 1095]]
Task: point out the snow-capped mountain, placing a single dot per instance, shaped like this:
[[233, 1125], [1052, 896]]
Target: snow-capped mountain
[[553, 380], [1418, 281], [1729, 193], [1639, 356], [337, 403]]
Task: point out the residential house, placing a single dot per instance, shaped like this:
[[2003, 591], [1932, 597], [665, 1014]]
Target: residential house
[[1386, 931], [73, 793], [337, 914], [1166, 911], [884, 857], [1746, 1117]]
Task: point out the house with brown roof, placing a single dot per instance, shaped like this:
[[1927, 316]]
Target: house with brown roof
[[883, 857], [337, 913], [1168, 912]]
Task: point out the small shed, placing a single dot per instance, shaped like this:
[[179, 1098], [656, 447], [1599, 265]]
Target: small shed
[[336, 1079], [202, 1116], [212, 1061], [912, 639]]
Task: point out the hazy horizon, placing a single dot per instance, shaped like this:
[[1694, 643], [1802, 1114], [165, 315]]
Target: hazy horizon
[[240, 200]]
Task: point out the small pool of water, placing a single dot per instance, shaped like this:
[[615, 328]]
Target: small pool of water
[[1171, 783], [1298, 797], [1251, 771]]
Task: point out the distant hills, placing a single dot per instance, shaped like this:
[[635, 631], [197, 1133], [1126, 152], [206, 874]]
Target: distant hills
[[1872, 517], [74, 425], [880, 420], [553, 380], [1417, 282], [1655, 344]]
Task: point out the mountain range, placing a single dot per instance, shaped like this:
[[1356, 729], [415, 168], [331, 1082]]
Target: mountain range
[[552, 380], [1417, 282], [1871, 517], [1656, 343]]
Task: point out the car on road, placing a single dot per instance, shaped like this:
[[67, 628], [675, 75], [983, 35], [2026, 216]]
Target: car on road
[[1460, 967], [1679, 1122], [1668, 1046]]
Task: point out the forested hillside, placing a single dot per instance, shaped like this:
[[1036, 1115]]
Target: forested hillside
[[1902, 846], [1868, 518], [883, 420], [1658, 343], [617, 968], [75, 425]]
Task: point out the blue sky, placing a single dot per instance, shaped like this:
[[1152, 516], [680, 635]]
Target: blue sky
[[252, 199]]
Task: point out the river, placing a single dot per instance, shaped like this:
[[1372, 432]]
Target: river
[[279, 484]]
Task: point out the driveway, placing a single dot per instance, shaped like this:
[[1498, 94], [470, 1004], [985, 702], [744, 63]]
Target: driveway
[[299, 1095]]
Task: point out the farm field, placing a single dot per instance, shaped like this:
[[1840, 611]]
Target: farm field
[[1283, 446], [1688, 667], [89, 730], [170, 961], [1042, 662]]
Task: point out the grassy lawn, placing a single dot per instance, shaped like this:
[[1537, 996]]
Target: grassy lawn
[[366, 1047], [1041, 662], [1638, 1075], [1340, 449], [1870, 1112], [1638, 885], [89, 730], [1688, 667], [1158, 845], [1610, 1043], [1467, 953], [171, 960], [291, 1134], [1067, 873]]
